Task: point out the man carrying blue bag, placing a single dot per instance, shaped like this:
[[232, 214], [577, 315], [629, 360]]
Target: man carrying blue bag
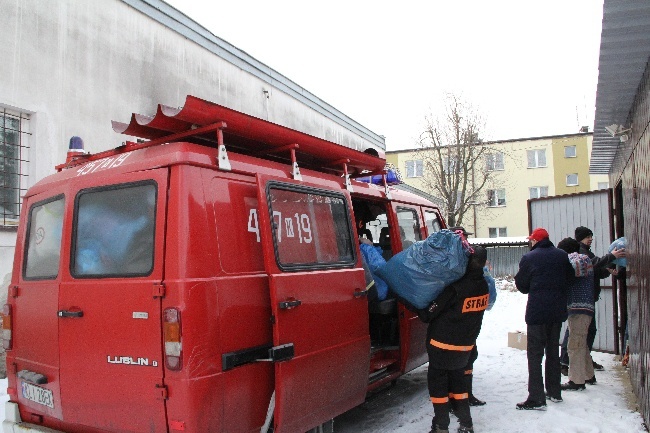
[[420, 273], [455, 320]]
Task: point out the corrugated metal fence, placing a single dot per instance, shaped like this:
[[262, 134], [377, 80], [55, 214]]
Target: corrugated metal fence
[[632, 169], [504, 259], [560, 215]]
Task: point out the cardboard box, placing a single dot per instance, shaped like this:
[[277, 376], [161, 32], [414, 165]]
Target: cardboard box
[[517, 340]]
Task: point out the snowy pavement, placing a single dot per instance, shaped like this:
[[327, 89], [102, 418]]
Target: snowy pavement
[[500, 378]]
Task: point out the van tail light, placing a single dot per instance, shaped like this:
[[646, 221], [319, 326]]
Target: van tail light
[[172, 336], [7, 339]]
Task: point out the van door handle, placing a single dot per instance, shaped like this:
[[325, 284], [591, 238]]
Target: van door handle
[[67, 313], [360, 293], [288, 305]]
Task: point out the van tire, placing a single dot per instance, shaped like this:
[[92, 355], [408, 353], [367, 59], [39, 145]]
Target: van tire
[[326, 427]]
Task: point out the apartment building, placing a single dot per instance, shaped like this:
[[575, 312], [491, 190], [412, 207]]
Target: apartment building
[[520, 169]]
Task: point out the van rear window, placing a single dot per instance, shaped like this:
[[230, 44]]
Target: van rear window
[[44, 240], [310, 228], [114, 231]]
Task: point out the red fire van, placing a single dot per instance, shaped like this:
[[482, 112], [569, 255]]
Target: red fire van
[[206, 279]]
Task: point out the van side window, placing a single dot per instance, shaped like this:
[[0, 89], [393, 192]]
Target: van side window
[[44, 240], [431, 220], [409, 226], [114, 231], [310, 227]]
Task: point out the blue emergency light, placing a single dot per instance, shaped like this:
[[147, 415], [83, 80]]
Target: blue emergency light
[[393, 177], [76, 144]]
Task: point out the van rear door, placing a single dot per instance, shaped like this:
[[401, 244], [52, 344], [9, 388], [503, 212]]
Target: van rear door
[[320, 318], [109, 315], [35, 355]]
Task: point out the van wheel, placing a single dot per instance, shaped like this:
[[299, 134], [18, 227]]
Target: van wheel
[[326, 427]]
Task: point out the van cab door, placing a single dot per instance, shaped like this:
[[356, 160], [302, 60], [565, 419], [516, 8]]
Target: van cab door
[[320, 319], [109, 315], [412, 330]]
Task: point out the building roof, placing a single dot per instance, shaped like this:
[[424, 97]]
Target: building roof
[[624, 52], [510, 140]]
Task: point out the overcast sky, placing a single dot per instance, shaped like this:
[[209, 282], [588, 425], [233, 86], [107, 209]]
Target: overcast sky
[[531, 68]]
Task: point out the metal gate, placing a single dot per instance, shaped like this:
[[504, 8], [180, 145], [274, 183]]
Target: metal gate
[[560, 215]]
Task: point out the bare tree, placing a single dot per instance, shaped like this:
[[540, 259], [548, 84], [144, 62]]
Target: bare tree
[[455, 159]]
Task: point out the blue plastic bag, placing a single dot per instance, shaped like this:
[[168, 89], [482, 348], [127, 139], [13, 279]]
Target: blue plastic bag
[[420, 273], [618, 244], [375, 261], [492, 287]]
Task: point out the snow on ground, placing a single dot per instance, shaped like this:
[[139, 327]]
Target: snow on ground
[[3, 397], [501, 378]]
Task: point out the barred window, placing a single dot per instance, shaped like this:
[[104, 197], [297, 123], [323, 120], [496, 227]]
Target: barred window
[[13, 164]]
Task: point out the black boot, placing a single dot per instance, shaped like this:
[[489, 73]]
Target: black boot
[[436, 429], [473, 401], [463, 414]]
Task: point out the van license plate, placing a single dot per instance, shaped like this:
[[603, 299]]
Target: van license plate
[[38, 395]]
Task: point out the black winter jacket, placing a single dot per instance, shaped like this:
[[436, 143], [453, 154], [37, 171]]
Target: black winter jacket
[[456, 322], [545, 274]]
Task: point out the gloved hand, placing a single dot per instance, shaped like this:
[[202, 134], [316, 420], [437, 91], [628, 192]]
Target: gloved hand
[[428, 314]]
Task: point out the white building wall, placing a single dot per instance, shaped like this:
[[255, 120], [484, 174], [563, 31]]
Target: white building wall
[[75, 65]]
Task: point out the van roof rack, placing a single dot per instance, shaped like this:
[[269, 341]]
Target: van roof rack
[[206, 123]]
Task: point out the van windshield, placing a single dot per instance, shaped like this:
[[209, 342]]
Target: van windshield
[[114, 231]]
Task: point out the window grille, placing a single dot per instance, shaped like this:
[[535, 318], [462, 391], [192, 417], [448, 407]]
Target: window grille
[[13, 164]]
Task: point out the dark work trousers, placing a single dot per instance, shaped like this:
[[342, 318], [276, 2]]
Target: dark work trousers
[[543, 340], [591, 337], [469, 370], [446, 384]]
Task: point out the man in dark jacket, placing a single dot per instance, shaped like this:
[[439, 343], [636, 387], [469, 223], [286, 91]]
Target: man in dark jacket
[[455, 319], [544, 275]]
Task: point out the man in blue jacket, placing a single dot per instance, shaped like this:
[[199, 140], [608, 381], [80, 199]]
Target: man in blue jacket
[[544, 275]]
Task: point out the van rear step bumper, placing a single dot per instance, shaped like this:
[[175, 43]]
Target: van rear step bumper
[[13, 423]]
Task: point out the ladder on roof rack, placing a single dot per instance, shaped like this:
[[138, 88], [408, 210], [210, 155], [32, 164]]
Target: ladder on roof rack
[[214, 125]]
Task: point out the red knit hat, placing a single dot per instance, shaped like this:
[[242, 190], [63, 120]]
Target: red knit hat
[[538, 234]]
